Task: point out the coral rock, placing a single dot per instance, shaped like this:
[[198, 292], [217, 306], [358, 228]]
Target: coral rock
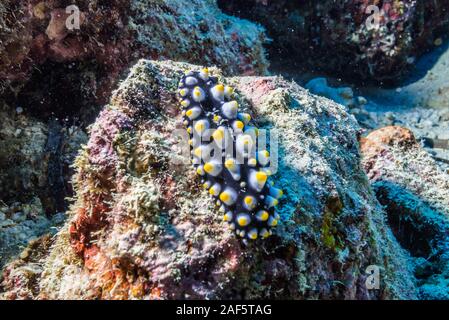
[[415, 193], [86, 63], [57, 29], [142, 227], [384, 138], [348, 37]]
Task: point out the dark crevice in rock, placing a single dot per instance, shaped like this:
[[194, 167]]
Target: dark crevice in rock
[[56, 181], [421, 230], [409, 235], [63, 91], [417, 226]]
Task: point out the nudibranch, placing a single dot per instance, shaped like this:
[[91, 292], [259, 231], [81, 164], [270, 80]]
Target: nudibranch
[[224, 152]]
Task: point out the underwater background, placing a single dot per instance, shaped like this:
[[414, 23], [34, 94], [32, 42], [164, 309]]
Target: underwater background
[[98, 202]]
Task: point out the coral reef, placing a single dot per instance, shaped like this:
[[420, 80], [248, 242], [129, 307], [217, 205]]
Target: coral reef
[[22, 275], [115, 210], [86, 63], [346, 37], [54, 80], [142, 227], [420, 105], [198, 32], [415, 193]]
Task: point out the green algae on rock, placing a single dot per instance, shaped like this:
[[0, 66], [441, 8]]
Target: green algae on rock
[[142, 227]]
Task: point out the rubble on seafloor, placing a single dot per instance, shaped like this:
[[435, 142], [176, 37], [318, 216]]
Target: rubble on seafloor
[[21, 223], [420, 104]]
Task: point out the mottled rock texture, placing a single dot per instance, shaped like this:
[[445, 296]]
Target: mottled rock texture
[[53, 82], [85, 64], [334, 36], [35, 159], [415, 193], [22, 275], [142, 227], [35, 170]]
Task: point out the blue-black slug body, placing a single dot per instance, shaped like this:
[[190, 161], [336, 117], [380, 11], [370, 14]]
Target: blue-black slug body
[[225, 154]]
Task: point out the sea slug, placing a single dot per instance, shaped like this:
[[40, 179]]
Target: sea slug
[[224, 152]]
